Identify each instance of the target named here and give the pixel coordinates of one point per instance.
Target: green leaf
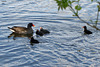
(73, 1)
(91, 0)
(96, 21)
(62, 4)
(78, 0)
(70, 2)
(58, 8)
(98, 6)
(78, 7)
(61, 7)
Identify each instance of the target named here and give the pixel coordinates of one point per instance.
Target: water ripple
(64, 46)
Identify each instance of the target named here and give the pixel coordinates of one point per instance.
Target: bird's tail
(11, 29)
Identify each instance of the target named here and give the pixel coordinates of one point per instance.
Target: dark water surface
(65, 46)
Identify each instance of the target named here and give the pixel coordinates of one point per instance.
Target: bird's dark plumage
(22, 30)
(39, 32)
(33, 40)
(44, 31)
(86, 31)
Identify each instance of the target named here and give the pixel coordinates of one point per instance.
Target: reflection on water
(3, 2)
(14, 35)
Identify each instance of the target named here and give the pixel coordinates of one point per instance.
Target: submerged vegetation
(63, 4)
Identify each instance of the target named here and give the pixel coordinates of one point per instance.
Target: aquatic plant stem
(76, 14)
(97, 14)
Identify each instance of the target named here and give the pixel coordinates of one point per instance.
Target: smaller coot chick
(86, 31)
(39, 32)
(44, 31)
(33, 40)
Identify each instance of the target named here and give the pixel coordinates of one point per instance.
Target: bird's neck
(41, 29)
(85, 29)
(28, 26)
(32, 39)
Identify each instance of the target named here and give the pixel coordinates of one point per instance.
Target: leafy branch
(63, 4)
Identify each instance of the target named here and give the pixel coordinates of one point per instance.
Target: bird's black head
(30, 25)
(84, 27)
(32, 38)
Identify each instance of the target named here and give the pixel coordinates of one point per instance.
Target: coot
(44, 31)
(33, 40)
(39, 32)
(86, 31)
